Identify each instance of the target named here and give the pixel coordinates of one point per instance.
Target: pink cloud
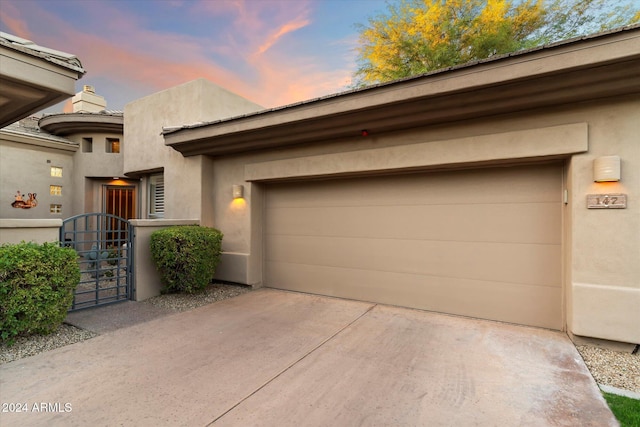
(154, 60)
(300, 82)
(67, 107)
(135, 56)
(12, 18)
(132, 66)
(284, 29)
(259, 23)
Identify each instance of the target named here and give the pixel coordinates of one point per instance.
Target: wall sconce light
(238, 191)
(606, 169)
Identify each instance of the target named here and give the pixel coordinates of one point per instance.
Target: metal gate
(104, 244)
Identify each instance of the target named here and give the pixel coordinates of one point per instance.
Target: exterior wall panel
(29, 171)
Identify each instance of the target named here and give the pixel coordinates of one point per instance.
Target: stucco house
(73, 162)
(32, 77)
(63, 164)
(98, 182)
(505, 189)
(478, 190)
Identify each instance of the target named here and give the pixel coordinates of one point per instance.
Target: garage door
(483, 243)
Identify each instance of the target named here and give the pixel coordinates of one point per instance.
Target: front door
(119, 201)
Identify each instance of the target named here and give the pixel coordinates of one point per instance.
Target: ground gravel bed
(612, 368)
(34, 344)
(608, 367)
(183, 302)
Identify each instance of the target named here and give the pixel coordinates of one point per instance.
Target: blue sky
(273, 52)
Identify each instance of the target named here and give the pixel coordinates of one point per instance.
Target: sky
(272, 52)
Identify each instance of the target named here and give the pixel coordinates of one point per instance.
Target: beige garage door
(483, 243)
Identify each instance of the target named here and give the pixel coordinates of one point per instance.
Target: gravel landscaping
(612, 368)
(608, 367)
(34, 344)
(183, 302)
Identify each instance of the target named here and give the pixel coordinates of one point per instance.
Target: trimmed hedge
(186, 256)
(37, 282)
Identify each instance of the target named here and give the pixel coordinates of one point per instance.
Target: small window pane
(113, 145)
(56, 171)
(55, 190)
(87, 145)
(55, 209)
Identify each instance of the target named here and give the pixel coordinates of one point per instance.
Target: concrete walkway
(273, 358)
(111, 317)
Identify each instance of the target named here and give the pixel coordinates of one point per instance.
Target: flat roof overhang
(68, 123)
(30, 82)
(593, 68)
(10, 136)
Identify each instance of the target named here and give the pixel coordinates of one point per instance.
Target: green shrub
(37, 283)
(186, 256)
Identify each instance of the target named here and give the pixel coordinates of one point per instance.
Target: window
(87, 145)
(56, 171)
(55, 190)
(55, 209)
(113, 145)
(156, 196)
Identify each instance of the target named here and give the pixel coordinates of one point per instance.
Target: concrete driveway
(273, 358)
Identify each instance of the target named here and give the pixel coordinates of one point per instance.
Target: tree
(418, 36)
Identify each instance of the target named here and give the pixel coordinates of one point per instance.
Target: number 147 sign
(606, 201)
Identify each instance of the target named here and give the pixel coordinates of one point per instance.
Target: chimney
(87, 101)
(30, 122)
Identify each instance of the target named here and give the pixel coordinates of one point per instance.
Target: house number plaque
(606, 201)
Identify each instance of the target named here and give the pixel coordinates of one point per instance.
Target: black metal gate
(104, 243)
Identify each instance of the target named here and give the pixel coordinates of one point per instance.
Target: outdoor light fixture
(606, 169)
(238, 191)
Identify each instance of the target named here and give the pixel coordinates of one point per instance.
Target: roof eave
(583, 70)
(31, 81)
(69, 123)
(36, 140)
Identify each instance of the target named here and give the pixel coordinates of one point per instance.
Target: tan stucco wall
(25, 165)
(197, 101)
(27, 168)
(29, 230)
(605, 246)
(92, 170)
(593, 267)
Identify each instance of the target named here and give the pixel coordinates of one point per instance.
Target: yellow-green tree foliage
(418, 36)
